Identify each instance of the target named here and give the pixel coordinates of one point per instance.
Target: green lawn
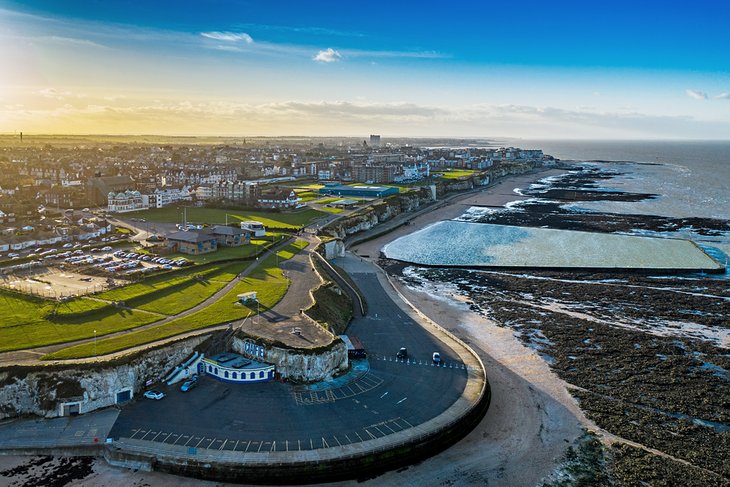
(171, 214)
(173, 294)
(305, 195)
(267, 280)
(457, 173)
(332, 209)
(28, 322)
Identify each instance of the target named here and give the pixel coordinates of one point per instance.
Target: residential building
(127, 201)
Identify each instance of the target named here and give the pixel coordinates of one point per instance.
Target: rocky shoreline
(647, 358)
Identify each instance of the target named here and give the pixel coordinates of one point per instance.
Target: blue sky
(529, 69)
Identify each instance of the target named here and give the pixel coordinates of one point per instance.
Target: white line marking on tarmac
(236, 445)
(402, 400)
(338, 441)
(383, 395)
(324, 443)
(358, 435)
(148, 432)
(211, 443)
(260, 445)
(201, 440)
(186, 443)
(224, 444)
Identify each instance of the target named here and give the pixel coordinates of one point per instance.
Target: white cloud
(328, 55)
(696, 94)
(723, 96)
(228, 36)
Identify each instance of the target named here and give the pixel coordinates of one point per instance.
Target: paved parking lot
(379, 397)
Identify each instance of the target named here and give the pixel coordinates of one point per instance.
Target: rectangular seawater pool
(466, 244)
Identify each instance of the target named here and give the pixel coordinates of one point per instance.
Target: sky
(559, 69)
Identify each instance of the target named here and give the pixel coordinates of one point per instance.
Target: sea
(692, 179)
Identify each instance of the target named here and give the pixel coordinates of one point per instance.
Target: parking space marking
(167, 437)
(211, 442)
(201, 440)
(180, 437)
(135, 433)
(358, 435)
(148, 432)
(391, 429)
(186, 443)
(324, 443)
(402, 400)
(158, 434)
(371, 435)
(224, 444)
(260, 445)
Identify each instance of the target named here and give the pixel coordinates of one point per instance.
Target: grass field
(171, 214)
(28, 322)
(173, 294)
(267, 280)
(456, 174)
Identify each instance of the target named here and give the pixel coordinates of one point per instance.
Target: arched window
(234, 375)
(261, 374)
(225, 374)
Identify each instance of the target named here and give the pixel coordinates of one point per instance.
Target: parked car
(106, 249)
(156, 395)
(437, 358)
(68, 245)
(13, 254)
(402, 353)
(189, 384)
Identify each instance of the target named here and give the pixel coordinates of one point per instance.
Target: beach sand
(532, 418)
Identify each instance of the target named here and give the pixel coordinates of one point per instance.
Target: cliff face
(302, 365)
(408, 202)
(43, 390)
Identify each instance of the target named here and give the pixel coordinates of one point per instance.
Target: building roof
(224, 230)
(192, 236)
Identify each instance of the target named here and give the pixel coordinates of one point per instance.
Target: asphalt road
(378, 397)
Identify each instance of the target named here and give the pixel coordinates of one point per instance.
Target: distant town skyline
(465, 69)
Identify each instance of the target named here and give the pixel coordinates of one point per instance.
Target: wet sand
(532, 418)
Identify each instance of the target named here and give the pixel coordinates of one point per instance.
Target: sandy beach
(532, 418)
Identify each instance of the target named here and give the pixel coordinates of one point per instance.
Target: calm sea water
(691, 178)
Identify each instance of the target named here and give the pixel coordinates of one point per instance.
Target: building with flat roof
(231, 367)
(359, 191)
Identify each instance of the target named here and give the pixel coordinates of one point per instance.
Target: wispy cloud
(696, 94)
(228, 36)
(328, 55)
(392, 54)
(723, 96)
(323, 31)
